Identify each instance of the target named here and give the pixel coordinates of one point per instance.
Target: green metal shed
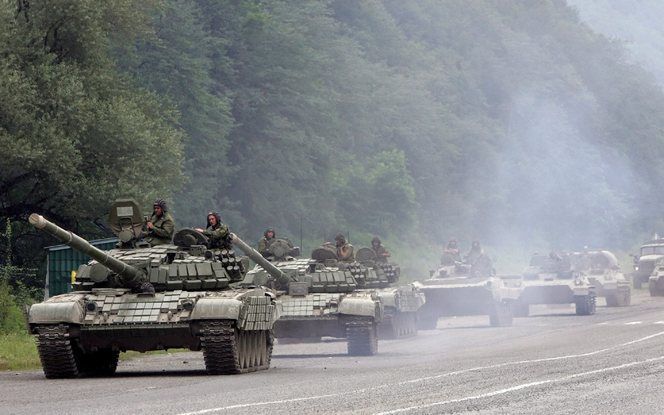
(61, 260)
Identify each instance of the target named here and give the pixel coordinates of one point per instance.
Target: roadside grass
(18, 352)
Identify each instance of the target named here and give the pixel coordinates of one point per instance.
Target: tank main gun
(124, 270)
(275, 272)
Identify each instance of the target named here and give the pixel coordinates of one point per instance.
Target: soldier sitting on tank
(160, 226)
(264, 243)
(475, 252)
(451, 254)
(217, 232)
(344, 249)
(381, 253)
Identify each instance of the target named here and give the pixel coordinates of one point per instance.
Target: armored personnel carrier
(400, 302)
(322, 296)
(462, 289)
(603, 271)
(644, 263)
(550, 279)
(201, 301)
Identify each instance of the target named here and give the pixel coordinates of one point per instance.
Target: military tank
(321, 296)
(201, 301)
(400, 302)
(603, 271)
(550, 279)
(461, 289)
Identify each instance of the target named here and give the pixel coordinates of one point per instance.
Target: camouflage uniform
(163, 227)
(265, 242)
(218, 234)
(344, 249)
(379, 250)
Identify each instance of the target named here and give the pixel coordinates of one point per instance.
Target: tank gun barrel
(257, 257)
(84, 246)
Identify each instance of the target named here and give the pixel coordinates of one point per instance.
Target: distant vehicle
(656, 280)
(603, 271)
(461, 289)
(550, 279)
(644, 263)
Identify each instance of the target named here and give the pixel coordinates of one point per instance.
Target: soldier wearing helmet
(381, 253)
(344, 249)
(217, 232)
(264, 243)
(161, 225)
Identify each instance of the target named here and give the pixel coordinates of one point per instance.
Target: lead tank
(461, 289)
(550, 279)
(321, 297)
(400, 302)
(203, 301)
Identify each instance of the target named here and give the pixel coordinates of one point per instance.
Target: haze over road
(611, 362)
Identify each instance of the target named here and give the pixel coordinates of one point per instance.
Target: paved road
(553, 362)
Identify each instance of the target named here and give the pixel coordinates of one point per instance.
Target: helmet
(340, 238)
(268, 230)
(161, 203)
(375, 241)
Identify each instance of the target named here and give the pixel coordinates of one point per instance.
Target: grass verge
(18, 352)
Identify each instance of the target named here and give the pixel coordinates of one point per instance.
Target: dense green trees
(491, 120)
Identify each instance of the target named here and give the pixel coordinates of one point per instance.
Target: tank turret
(125, 271)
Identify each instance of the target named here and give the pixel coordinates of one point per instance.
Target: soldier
(264, 243)
(216, 231)
(381, 253)
(451, 253)
(161, 225)
(475, 252)
(344, 249)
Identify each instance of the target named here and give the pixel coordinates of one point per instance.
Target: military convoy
(467, 289)
(202, 300)
(550, 279)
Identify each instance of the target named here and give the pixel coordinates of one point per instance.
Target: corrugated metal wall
(62, 260)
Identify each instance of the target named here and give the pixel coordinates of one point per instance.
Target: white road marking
(632, 323)
(423, 379)
(604, 323)
(658, 322)
(522, 386)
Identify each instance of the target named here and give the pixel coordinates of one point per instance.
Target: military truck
(322, 297)
(603, 271)
(550, 279)
(656, 280)
(644, 263)
(462, 289)
(201, 301)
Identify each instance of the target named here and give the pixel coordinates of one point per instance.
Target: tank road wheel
(361, 336)
(501, 315)
(227, 350)
(102, 362)
(56, 352)
(585, 304)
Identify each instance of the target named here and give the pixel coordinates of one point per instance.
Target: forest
(510, 122)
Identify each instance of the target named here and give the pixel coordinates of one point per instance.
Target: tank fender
(56, 312)
(216, 308)
(357, 306)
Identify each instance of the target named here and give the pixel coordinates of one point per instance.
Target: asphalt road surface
(551, 362)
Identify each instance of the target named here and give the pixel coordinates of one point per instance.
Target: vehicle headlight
(636, 268)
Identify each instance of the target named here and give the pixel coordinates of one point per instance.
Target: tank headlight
(91, 306)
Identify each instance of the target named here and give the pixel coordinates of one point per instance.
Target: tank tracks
(585, 305)
(61, 358)
(398, 325)
(56, 352)
(227, 350)
(623, 297)
(361, 335)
